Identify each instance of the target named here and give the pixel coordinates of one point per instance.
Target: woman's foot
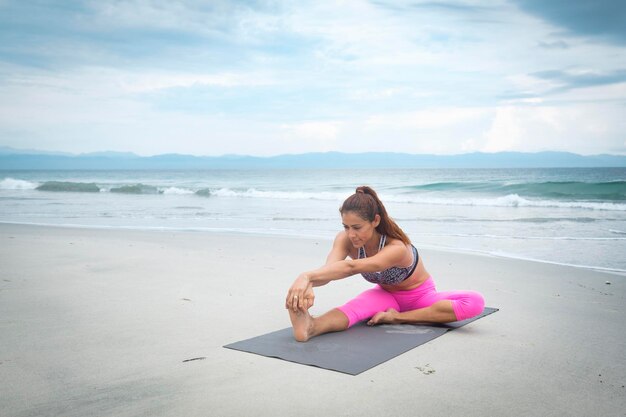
(302, 324)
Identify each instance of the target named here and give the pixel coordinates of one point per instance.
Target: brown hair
(367, 205)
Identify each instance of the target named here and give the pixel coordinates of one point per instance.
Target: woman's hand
(381, 317)
(300, 296)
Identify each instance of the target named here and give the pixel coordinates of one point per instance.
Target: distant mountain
(19, 159)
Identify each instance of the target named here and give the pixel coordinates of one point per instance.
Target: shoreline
(239, 232)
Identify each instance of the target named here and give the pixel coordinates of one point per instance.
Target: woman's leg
(368, 303)
(425, 304)
(364, 306)
(306, 326)
(438, 312)
(465, 304)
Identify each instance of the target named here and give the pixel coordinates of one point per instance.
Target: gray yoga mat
(353, 351)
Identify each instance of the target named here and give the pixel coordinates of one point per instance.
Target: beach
(97, 322)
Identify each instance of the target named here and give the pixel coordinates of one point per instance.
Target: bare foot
(302, 324)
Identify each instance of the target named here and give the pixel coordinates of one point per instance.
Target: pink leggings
(466, 304)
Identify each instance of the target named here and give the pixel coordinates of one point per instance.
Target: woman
(379, 250)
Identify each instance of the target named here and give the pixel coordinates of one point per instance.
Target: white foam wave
(618, 232)
(288, 195)
(13, 184)
(176, 190)
(511, 200)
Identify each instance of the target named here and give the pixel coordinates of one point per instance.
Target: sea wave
(615, 193)
(68, 186)
(510, 200)
(286, 195)
(136, 189)
(607, 190)
(15, 184)
(176, 190)
(204, 192)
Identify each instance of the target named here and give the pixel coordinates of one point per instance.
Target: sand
(103, 323)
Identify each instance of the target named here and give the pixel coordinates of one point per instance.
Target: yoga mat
(353, 351)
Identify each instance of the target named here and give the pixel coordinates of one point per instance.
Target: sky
(275, 77)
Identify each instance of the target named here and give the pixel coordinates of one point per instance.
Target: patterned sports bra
(393, 275)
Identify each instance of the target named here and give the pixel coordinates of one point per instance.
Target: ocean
(571, 216)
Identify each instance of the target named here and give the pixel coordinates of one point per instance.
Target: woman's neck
(372, 245)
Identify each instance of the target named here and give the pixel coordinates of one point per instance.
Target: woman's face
(358, 229)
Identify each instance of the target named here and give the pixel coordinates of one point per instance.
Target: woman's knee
(472, 305)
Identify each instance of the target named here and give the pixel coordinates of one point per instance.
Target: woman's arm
(389, 256)
(301, 294)
(338, 252)
(338, 267)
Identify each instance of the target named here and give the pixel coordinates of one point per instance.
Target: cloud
(133, 33)
(568, 80)
(588, 128)
(441, 130)
(600, 19)
(458, 7)
(267, 77)
(566, 86)
(424, 119)
(312, 129)
(151, 82)
(553, 45)
(315, 136)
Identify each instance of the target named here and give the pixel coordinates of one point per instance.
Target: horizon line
(102, 153)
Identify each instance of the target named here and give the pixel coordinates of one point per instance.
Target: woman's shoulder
(342, 239)
(342, 243)
(395, 242)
